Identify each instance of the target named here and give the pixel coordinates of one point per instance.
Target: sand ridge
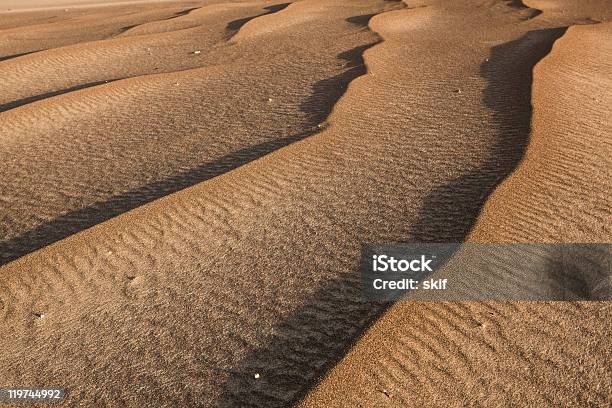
(18, 6)
(271, 114)
(248, 267)
(566, 152)
(429, 353)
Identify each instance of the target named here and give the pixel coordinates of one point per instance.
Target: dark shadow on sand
(580, 271)
(25, 101)
(8, 57)
(452, 209)
(233, 26)
(318, 106)
(317, 335)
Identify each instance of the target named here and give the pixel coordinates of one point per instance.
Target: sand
(519, 353)
(20, 6)
(186, 187)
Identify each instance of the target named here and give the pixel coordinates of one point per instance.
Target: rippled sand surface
(186, 186)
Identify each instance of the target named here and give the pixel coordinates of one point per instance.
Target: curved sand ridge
(525, 353)
(137, 139)
(573, 12)
(131, 54)
(253, 271)
(37, 5)
(26, 32)
(560, 193)
(72, 280)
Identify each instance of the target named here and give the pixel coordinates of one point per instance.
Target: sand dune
(500, 354)
(150, 52)
(552, 196)
(36, 5)
(209, 208)
(37, 30)
(123, 162)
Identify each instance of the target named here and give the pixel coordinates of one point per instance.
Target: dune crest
(196, 229)
(553, 196)
(428, 353)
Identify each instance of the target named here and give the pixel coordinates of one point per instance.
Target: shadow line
(233, 26)
(8, 57)
(318, 106)
(454, 207)
(20, 102)
(313, 339)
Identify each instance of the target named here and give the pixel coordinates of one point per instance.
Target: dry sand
(210, 170)
(53, 5)
(519, 353)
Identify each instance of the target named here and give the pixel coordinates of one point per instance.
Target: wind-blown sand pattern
(186, 187)
(500, 354)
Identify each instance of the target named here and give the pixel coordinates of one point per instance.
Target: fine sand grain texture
(146, 132)
(186, 187)
(561, 190)
(66, 5)
(521, 353)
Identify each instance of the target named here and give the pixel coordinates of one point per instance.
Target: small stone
(257, 376)
(197, 52)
